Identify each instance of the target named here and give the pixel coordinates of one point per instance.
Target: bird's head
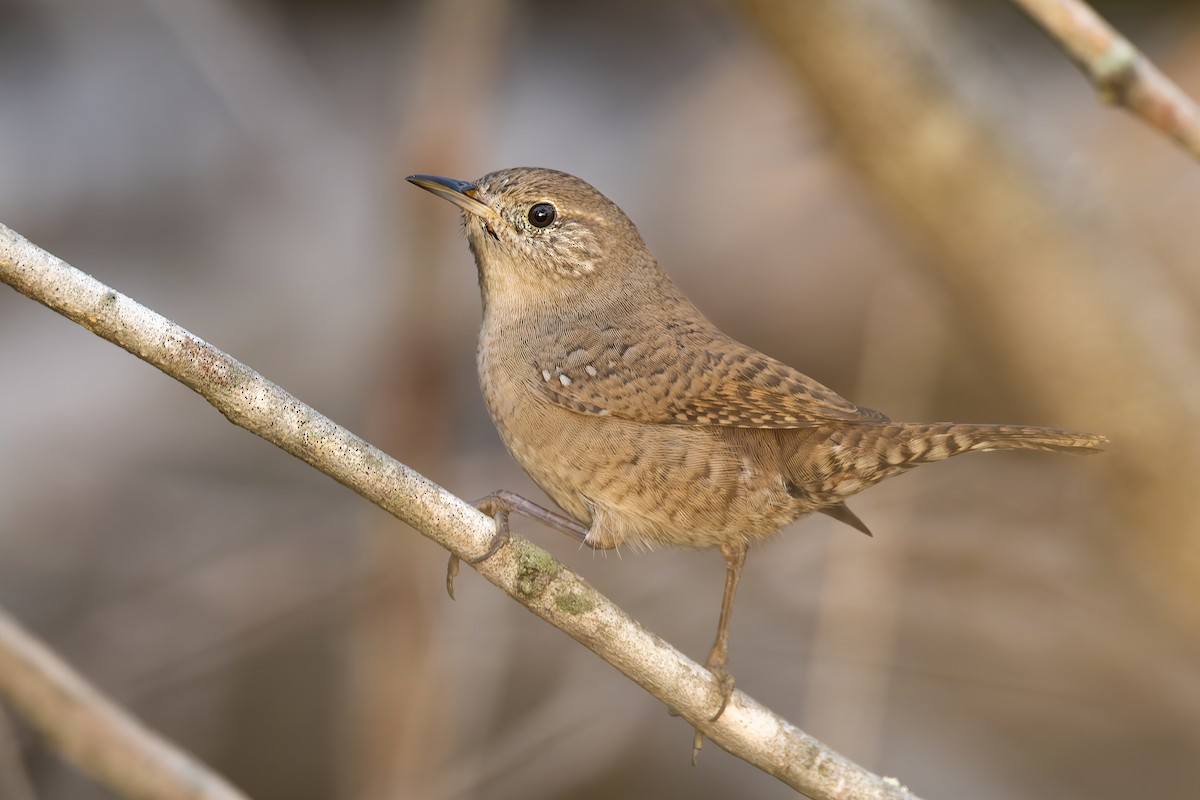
(546, 238)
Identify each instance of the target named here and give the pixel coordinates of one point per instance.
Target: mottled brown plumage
(641, 419)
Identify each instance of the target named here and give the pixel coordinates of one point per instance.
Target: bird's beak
(463, 194)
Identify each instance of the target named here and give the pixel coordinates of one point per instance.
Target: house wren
(642, 420)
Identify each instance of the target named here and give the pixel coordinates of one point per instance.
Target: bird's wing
(687, 374)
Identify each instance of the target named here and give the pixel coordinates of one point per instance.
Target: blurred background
(920, 204)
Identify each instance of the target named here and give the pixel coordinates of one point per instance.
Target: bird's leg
(718, 657)
(498, 505)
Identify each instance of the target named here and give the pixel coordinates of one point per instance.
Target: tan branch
(1079, 322)
(522, 570)
(1122, 75)
(15, 783)
(92, 732)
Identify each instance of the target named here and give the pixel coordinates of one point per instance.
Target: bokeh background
(920, 204)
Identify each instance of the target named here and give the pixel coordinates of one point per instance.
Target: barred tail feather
(921, 443)
(853, 457)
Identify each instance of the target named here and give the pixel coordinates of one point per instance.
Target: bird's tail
(910, 444)
(857, 456)
(851, 458)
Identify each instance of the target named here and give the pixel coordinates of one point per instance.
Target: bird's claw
(451, 573)
(725, 684)
(498, 512)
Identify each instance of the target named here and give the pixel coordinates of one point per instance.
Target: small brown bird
(645, 423)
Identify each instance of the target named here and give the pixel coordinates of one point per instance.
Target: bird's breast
(549, 444)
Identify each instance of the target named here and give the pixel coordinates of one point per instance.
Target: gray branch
(522, 570)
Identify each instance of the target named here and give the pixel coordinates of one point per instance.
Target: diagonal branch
(522, 570)
(15, 783)
(1122, 75)
(92, 731)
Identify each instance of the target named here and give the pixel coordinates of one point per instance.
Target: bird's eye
(541, 215)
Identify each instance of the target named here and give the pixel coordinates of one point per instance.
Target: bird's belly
(639, 483)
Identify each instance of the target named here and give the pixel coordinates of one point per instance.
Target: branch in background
(92, 732)
(1084, 326)
(525, 572)
(399, 689)
(15, 783)
(1122, 75)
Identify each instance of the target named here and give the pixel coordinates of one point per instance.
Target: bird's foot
(499, 505)
(717, 665)
(494, 506)
(726, 684)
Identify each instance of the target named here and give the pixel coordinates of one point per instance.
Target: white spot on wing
(564, 380)
(545, 374)
(590, 370)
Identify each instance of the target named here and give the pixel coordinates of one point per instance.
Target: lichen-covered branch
(521, 569)
(1122, 75)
